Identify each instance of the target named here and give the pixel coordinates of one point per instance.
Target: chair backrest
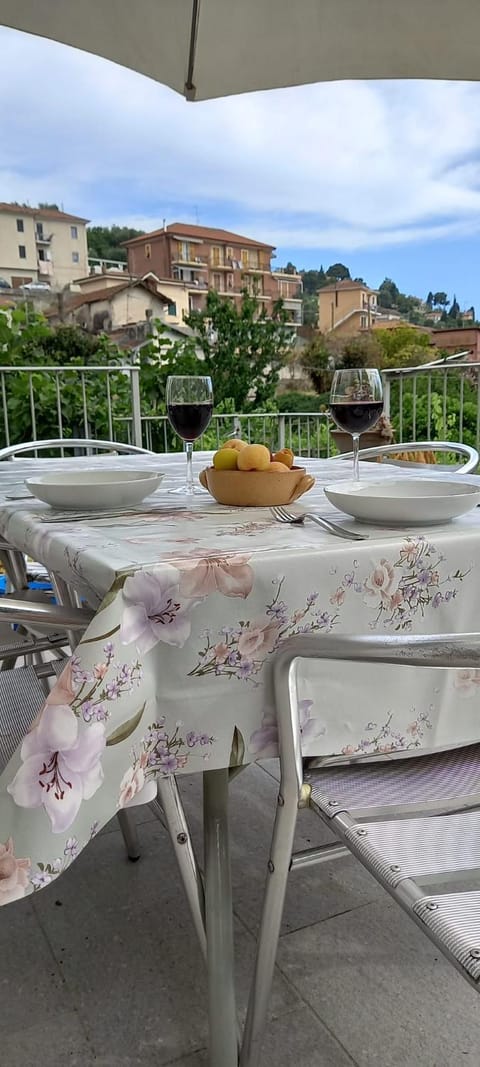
(470, 455)
(61, 443)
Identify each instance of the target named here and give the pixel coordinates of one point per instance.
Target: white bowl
(94, 489)
(405, 501)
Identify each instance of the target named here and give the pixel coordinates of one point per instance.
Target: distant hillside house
(110, 308)
(41, 245)
(347, 307)
(459, 339)
(174, 294)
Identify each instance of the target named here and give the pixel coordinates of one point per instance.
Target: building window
(22, 251)
(172, 309)
(363, 322)
(216, 255)
(148, 251)
(185, 251)
(75, 257)
(41, 254)
(20, 226)
(74, 233)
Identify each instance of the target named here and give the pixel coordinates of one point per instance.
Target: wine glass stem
(189, 453)
(356, 471)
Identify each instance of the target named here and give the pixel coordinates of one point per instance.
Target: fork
(282, 515)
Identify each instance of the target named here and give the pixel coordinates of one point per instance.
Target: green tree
(105, 242)
(403, 347)
(243, 349)
(440, 299)
(310, 309)
(388, 293)
(429, 300)
(454, 309)
(338, 272)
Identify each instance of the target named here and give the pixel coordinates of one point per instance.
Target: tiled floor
(102, 968)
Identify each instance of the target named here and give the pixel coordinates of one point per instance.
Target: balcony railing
(435, 402)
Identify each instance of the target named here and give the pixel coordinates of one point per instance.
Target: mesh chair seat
(441, 781)
(21, 697)
(453, 920)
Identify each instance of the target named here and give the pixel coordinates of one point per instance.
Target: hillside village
(61, 265)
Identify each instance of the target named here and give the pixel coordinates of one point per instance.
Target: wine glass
(356, 403)
(189, 409)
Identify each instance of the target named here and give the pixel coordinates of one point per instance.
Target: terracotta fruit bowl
(256, 489)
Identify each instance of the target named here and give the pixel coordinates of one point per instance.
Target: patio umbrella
(211, 48)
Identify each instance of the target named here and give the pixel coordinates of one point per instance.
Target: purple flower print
(264, 742)
(154, 610)
(41, 879)
(71, 848)
(61, 766)
(168, 764)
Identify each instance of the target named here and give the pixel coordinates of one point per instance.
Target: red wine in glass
(189, 402)
(189, 420)
(356, 418)
(356, 403)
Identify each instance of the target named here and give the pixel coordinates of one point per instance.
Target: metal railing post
(386, 395)
(281, 432)
(136, 406)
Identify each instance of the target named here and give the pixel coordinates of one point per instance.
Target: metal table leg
(219, 922)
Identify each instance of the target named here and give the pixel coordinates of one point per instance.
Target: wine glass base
(188, 491)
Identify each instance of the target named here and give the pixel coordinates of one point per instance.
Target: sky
(381, 176)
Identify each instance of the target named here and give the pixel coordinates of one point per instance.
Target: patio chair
(411, 821)
(469, 457)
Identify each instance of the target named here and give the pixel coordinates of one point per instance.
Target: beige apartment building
(41, 245)
(204, 257)
(346, 308)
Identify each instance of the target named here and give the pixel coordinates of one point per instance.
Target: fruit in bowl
(249, 476)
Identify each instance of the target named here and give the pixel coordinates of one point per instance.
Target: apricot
(225, 459)
(276, 466)
(253, 458)
(234, 442)
(285, 456)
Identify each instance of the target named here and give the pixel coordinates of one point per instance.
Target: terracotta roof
(348, 284)
(203, 233)
(106, 293)
(42, 213)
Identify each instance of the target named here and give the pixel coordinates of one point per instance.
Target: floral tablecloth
(172, 674)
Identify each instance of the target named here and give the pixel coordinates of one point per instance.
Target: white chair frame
(471, 456)
(295, 792)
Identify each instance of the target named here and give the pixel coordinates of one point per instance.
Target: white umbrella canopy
(212, 48)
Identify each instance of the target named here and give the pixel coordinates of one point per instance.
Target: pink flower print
(100, 670)
(396, 599)
(258, 638)
(229, 575)
(221, 652)
(338, 596)
(348, 750)
(467, 681)
(132, 783)
(408, 552)
(381, 581)
(63, 691)
(13, 874)
(61, 766)
(154, 610)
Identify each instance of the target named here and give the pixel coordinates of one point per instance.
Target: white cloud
(345, 166)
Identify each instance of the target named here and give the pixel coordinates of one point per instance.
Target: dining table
(191, 600)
